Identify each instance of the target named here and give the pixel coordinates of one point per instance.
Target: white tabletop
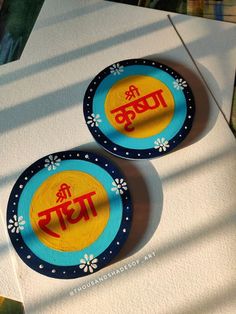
(212, 44)
(188, 199)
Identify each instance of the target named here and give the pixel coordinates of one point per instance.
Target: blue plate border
(75, 271)
(129, 153)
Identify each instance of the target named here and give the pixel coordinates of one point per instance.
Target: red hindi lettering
(63, 193)
(64, 212)
(124, 116)
(43, 222)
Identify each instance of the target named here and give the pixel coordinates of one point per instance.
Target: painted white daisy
(16, 224)
(179, 84)
(88, 263)
(52, 162)
(116, 69)
(119, 186)
(94, 120)
(161, 144)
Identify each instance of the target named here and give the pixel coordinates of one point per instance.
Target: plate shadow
(147, 198)
(205, 112)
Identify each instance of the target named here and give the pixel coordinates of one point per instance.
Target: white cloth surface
(212, 44)
(41, 98)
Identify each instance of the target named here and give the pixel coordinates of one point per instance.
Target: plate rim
(69, 272)
(130, 153)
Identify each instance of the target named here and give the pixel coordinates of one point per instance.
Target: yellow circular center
(139, 106)
(69, 211)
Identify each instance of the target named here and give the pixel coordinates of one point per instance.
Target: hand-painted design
(52, 162)
(161, 144)
(121, 144)
(88, 263)
(116, 69)
(16, 224)
(119, 186)
(45, 260)
(179, 84)
(94, 120)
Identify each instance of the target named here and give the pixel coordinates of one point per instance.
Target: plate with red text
(69, 214)
(139, 108)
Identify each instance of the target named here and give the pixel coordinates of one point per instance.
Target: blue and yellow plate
(69, 214)
(139, 108)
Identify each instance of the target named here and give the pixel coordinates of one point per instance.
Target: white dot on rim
(41, 266)
(28, 256)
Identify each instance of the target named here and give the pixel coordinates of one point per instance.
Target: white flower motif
(88, 263)
(16, 224)
(52, 162)
(94, 120)
(116, 69)
(179, 84)
(119, 186)
(161, 144)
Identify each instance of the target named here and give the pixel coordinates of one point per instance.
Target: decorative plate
(139, 108)
(69, 214)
